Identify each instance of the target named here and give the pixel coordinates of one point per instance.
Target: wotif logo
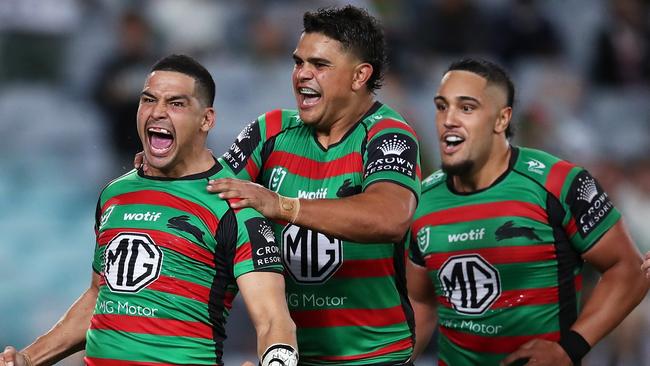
(320, 193)
(536, 166)
(475, 234)
(149, 216)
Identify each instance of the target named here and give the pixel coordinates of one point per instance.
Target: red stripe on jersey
(498, 255)
(492, 344)
(94, 361)
(519, 297)
(243, 253)
(441, 363)
(252, 169)
(395, 347)
(176, 286)
(348, 317)
(154, 326)
(313, 169)
(228, 299)
(366, 268)
(165, 240)
(389, 123)
(273, 123)
(151, 197)
(571, 228)
(557, 176)
(482, 211)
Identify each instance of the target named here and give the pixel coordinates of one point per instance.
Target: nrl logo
(277, 177)
(536, 166)
(393, 146)
(104, 219)
(423, 239)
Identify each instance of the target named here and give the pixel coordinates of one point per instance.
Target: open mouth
(160, 140)
(451, 141)
(310, 96)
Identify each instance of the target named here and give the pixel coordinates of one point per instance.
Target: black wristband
(575, 346)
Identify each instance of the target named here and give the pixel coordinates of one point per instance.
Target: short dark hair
(192, 68)
(494, 74)
(358, 32)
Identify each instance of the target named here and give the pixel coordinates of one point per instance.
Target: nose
(448, 119)
(159, 110)
(304, 72)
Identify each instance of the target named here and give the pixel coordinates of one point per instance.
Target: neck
(348, 117)
(484, 175)
(199, 162)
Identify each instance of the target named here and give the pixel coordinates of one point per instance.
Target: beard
(458, 169)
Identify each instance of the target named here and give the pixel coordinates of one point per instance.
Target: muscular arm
(69, 334)
(620, 288)
(423, 299)
(263, 293)
(382, 213)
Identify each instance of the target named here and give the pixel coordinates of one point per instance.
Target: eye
(441, 107)
(177, 104)
(146, 99)
(467, 108)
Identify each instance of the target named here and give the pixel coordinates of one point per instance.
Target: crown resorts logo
(267, 233)
(245, 133)
(393, 146)
(587, 190)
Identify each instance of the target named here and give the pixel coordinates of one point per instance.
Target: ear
(503, 120)
(208, 119)
(362, 74)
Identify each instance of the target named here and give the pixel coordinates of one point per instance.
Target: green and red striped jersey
(505, 260)
(168, 253)
(347, 299)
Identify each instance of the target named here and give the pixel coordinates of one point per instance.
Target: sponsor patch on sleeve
(588, 203)
(395, 152)
(243, 146)
(264, 248)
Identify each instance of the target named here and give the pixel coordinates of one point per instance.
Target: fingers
(223, 184)
(138, 160)
(9, 356)
(523, 352)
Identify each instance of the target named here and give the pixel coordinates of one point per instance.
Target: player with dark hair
(500, 236)
(170, 257)
(339, 179)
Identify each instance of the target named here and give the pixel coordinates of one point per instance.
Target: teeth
(308, 91)
(159, 130)
(454, 139)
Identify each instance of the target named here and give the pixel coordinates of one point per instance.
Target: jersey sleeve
(97, 256)
(589, 210)
(392, 155)
(256, 247)
(244, 157)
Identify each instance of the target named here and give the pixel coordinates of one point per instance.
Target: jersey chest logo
(309, 256)
(131, 262)
(469, 283)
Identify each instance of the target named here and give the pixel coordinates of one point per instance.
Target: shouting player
(501, 233)
(339, 178)
(170, 256)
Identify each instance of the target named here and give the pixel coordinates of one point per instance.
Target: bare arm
(382, 213)
(263, 293)
(620, 288)
(423, 299)
(66, 337)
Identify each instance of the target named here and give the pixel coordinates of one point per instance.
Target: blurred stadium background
(71, 72)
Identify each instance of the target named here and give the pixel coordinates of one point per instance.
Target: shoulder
(384, 119)
(273, 122)
(117, 184)
(436, 179)
(545, 169)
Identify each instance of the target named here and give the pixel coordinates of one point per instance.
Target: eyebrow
(462, 98)
(170, 99)
(312, 60)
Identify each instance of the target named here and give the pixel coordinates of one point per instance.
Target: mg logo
(132, 262)
(470, 283)
(309, 256)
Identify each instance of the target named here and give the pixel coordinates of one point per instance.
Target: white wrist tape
(279, 354)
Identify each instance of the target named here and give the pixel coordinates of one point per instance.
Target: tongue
(161, 142)
(309, 100)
